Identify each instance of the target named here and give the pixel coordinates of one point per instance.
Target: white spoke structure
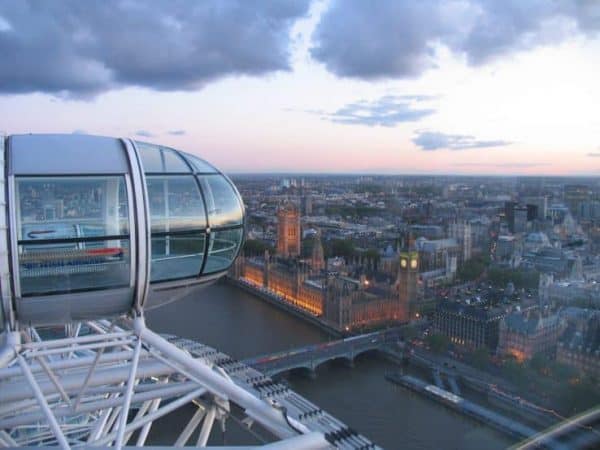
(108, 385)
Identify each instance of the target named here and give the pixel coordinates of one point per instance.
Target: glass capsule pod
(95, 227)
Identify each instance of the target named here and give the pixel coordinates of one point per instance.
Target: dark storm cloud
(397, 38)
(81, 48)
(432, 140)
(176, 132)
(388, 111)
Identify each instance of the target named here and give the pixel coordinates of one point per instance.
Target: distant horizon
(368, 174)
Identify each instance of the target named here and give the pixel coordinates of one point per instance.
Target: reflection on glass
(176, 256)
(69, 207)
(64, 267)
(157, 159)
(224, 207)
(56, 218)
(175, 203)
(222, 249)
(199, 165)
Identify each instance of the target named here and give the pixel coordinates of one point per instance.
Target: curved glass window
(199, 165)
(222, 202)
(156, 159)
(223, 248)
(178, 224)
(182, 208)
(73, 234)
(177, 256)
(175, 203)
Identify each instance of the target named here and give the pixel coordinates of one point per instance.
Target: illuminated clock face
(403, 263)
(413, 263)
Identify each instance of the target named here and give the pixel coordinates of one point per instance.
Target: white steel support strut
(190, 427)
(128, 394)
(43, 404)
(102, 384)
(146, 427)
(256, 408)
(207, 425)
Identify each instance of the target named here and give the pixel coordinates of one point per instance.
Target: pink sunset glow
(528, 107)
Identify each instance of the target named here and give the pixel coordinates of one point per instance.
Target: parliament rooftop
(93, 232)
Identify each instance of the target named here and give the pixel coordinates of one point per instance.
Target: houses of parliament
(346, 300)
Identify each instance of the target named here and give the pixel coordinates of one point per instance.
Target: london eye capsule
(95, 227)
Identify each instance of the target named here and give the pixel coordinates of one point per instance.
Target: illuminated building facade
(523, 335)
(288, 230)
(288, 279)
(352, 303)
(345, 303)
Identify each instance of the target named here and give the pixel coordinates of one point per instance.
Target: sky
(386, 86)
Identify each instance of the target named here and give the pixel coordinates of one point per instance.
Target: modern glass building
(95, 227)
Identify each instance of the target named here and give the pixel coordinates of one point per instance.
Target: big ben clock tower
(408, 272)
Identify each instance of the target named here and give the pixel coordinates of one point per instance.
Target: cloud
(594, 155)
(433, 140)
(176, 132)
(4, 25)
(503, 165)
(79, 48)
(399, 38)
(387, 111)
(144, 133)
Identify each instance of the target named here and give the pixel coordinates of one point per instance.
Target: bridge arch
(366, 351)
(347, 359)
(312, 365)
(304, 371)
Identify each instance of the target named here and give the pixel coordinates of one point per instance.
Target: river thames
(242, 325)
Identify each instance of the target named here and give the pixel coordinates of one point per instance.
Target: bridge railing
(332, 349)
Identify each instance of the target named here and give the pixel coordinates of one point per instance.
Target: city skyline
(318, 87)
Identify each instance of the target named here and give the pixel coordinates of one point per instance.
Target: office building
(574, 196)
(472, 326)
(460, 230)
